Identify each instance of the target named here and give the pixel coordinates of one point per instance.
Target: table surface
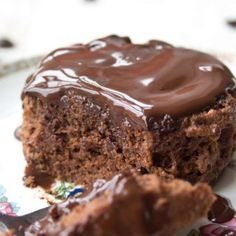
(39, 26)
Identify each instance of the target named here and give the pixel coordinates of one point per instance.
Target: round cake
(93, 110)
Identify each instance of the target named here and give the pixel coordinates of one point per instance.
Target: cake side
(78, 141)
(201, 147)
(150, 206)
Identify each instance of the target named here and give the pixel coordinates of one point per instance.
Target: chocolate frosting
(221, 211)
(145, 81)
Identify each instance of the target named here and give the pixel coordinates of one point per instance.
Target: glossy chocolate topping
(222, 214)
(221, 211)
(145, 81)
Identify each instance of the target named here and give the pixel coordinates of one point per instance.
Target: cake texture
(93, 110)
(129, 205)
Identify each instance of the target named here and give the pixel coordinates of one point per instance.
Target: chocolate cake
(128, 205)
(93, 110)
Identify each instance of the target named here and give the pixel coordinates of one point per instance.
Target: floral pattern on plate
(61, 190)
(6, 207)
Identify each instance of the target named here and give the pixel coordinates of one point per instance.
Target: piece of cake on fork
(128, 205)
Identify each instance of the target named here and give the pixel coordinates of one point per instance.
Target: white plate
(15, 198)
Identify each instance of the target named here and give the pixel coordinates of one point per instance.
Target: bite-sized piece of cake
(93, 110)
(129, 205)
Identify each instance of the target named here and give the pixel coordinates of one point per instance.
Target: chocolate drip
(228, 232)
(221, 211)
(145, 81)
(17, 133)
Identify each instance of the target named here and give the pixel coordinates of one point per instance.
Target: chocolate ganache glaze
(146, 81)
(221, 211)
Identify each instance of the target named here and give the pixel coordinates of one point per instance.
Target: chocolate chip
(6, 43)
(232, 23)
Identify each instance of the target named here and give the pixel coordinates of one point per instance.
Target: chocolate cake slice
(93, 110)
(128, 205)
